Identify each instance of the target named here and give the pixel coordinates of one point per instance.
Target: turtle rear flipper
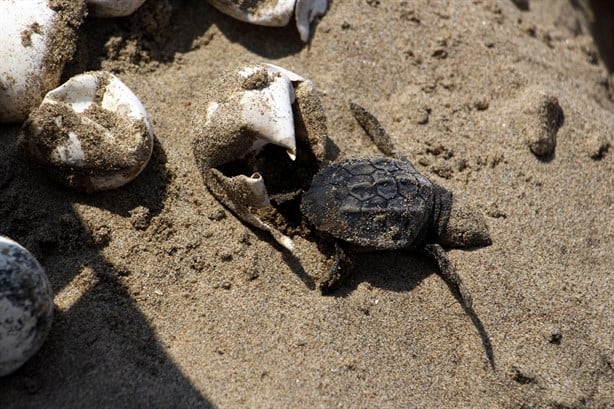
(448, 272)
(375, 130)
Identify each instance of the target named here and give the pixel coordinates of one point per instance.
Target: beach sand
(165, 299)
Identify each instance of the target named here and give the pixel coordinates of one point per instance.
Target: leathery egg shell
(38, 37)
(26, 305)
(91, 133)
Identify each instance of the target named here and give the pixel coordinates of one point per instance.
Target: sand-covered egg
(26, 305)
(274, 13)
(91, 133)
(38, 37)
(112, 8)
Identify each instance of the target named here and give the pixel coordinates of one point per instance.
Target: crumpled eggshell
(38, 37)
(274, 13)
(91, 133)
(112, 8)
(263, 105)
(26, 305)
(256, 106)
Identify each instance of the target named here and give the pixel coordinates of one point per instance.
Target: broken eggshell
(112, 8)
(91, 133)
(26, 305)
(38, 37)
(258, 106)
(263, 105)
(276, 13)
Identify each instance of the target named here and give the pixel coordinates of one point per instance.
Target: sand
(165, 299)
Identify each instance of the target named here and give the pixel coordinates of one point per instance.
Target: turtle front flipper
(448, 273)
(341, 268)
(375, 130)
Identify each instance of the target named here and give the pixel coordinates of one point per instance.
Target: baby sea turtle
(263, 151)
(386, 204)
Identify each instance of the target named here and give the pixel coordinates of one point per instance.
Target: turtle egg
(38, 37)
(91, 133)
(26, 305)
(275, 13)
(112, 8)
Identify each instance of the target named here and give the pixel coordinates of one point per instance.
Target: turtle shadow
(101, 347)
(545, 159)
(401, 271)
(395, 271)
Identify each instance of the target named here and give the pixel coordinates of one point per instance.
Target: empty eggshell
(38, 37)
(259, 105)
(91, 133)
(112, 8)
(26, 305)
(274, 13)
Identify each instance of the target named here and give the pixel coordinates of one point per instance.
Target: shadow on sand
(101, 351)
(399, 271)
(161, 29)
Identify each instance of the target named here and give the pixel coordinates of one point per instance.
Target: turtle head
(465, 227)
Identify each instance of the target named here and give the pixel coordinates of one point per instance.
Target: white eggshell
(272, 13)
(292, 76)
(26, 305)
(92, 133)
(36, 43)
(306, 12)
(112, 8)
(266, 109)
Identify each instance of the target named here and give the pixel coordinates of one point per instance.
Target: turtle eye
(362, 191)
(386, 188)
